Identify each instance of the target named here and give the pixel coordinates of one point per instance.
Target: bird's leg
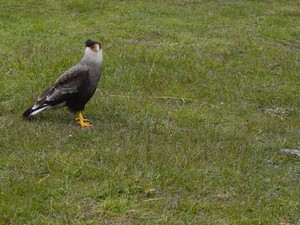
(82, 121)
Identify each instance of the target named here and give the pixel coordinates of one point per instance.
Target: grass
(195, 101)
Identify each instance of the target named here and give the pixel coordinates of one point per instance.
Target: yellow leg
(82, 121)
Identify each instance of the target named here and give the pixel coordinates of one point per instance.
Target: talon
(83, 124)
(82, 121)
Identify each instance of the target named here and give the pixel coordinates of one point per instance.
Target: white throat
(92, 56)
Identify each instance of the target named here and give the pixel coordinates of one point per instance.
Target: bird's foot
(84, 124)
(82, 121)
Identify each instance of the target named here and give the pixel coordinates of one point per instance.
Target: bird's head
(93, 45)
(93, 52)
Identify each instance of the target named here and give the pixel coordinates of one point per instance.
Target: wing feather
(67, 84)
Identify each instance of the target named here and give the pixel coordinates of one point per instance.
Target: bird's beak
(96, 47)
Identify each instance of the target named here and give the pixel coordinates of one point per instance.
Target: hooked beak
(96, 47)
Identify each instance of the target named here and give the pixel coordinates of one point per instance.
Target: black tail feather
(27, 113)
(33, 110)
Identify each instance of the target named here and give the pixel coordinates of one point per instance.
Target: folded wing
(65, 89)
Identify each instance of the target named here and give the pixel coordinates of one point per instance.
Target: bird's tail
(39, 106)
(33, 110)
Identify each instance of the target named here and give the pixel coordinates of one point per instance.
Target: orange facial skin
(95, 47)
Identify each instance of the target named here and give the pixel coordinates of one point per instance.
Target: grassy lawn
(195, 100)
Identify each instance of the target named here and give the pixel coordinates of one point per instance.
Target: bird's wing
(65, 87)
(67, 84)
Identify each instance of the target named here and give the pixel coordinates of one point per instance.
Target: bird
(74, 88)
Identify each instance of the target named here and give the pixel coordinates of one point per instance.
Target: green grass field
(195, 101)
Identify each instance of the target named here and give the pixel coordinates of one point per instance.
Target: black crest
(90, 43)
